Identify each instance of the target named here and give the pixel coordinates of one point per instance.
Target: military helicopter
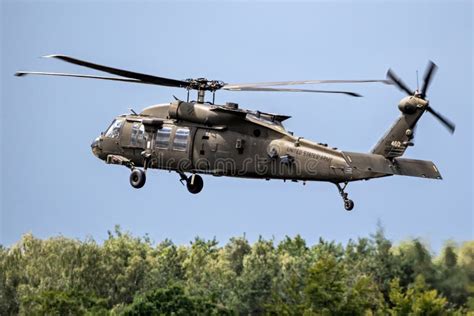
(201, 137)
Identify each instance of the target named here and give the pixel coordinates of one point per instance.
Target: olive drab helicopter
(201, 137)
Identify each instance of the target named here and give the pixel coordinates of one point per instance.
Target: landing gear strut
(348, 204)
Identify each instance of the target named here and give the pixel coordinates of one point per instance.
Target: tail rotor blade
(447, 123)
(398, 82)
(430, 71)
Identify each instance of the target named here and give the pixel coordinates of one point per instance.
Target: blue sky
(52, 184)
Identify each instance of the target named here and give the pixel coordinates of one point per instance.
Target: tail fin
(394, 143)
(400, 135)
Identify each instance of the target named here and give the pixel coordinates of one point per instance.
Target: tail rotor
(427, 78)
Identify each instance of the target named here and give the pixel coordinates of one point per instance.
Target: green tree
(466, 263)
(171, 301)
(363, 297)
(255, 284)
(51, 302)
(325, 285)
(166, 265)
(124, 266)
(384, 265)
(128, 274)
(288, 286)
(416, 300)
(210, 273)
(453, 281)
(415, 259)
(235, 252)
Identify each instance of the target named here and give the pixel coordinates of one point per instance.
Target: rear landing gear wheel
(137, 178)
(194, 183)
(348, 205)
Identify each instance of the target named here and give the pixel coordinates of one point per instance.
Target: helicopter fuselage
(221, 141)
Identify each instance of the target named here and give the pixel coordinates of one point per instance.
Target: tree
(415, 260)
(171, 301)
(166, 265)
(51, 302)
(453, 281)
(416, 300)
(288, 286)
(209, 273)
(325, 285)
(466, 263)
(235, 252)
(124, 266)
(129, 274)
(363, 297)
(255, 284)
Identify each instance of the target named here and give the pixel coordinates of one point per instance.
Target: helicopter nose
(96, 150)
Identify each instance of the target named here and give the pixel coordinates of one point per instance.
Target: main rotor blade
(124, 73)
(299, 82)
(430, 71)
(447, 123)
(60, 74)
(287, 90)
(398, 82)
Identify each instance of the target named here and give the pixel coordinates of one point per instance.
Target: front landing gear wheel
(194, 183)
(137, 178)
(348, 205)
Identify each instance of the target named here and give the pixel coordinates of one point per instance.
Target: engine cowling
(198, 113)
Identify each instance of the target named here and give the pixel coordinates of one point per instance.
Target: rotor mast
(202, 85)
(201, 94)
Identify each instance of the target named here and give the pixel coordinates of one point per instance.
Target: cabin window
(163, 137)
(137, 136)
(114, 129)
(181, 139)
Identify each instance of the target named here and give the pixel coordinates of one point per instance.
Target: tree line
(128, 275)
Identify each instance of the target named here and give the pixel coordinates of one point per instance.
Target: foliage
(62, 303)
(416, 300)
(126, 275)
(171, 300)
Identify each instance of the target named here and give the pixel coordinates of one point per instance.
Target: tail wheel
(137, 178)
(348, 205)
(194, 185)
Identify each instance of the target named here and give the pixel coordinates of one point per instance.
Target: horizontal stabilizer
(365, 165)
(416, 168)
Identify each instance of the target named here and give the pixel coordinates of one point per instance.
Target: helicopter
(201, 137)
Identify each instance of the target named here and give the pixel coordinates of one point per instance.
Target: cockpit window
(181, 139)
(163, 137)
(114, 129)
(137, 137)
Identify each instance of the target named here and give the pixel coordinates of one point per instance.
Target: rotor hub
(204, 84)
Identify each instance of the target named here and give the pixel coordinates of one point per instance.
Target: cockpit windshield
(114, 130)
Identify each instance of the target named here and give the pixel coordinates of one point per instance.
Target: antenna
(417, 84)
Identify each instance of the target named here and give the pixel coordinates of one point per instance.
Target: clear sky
(52, 184)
